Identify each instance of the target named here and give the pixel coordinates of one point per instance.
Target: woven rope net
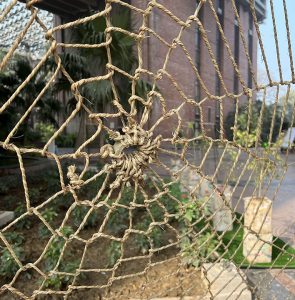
(147, 214)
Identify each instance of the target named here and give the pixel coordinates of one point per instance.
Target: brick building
(184, 71)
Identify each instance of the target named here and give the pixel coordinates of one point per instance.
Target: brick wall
(178, 66)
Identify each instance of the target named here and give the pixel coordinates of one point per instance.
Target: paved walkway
(284, 205)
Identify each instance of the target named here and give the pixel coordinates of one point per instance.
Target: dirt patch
(140, 276)
(166, 278)
(122, 255)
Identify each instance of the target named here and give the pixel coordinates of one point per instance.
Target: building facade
(191, 62)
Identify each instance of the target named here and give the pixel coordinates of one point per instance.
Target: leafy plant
(58, 281)
(80, 212)
(24, 223)
(170, 204)
(46, 108)
(156, 236)
(114, 253)
(118, 220)
(54, 250)
(269, 164)
(14, 238)
(8, 265)
(246, 139)
(242, 121)
(49, 215)
(196, 243)
(198, 247)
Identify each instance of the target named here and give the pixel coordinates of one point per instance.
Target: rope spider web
(164, 194)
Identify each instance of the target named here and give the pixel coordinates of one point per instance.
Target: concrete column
(258, 230)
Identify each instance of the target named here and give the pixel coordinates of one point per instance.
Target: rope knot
(131, 153)
(75, 181)
(248, 92)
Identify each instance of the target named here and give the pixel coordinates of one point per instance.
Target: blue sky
(269, 43)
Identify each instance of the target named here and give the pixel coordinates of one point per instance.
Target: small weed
(118, 220)
(167, 199)
(114, 252)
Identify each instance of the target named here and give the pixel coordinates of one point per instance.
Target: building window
(219, 44)
(250, 48)
(219, 59)
(198, 40)
(237, 49)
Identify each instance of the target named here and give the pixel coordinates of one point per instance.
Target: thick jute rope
(136, 153)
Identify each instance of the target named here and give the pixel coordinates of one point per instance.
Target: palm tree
(44, 111)
(86, 62)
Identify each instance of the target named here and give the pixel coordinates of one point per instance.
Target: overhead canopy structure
(68, 9)
(14, 23)
(74, 8)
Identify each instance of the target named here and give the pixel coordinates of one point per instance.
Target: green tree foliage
(46, 108)
(88, 62)
(242, 122)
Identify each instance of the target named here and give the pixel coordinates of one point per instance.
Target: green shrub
(118, 220)
(24, 223)
(170, 204)
(196, 243)
(242, 121)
